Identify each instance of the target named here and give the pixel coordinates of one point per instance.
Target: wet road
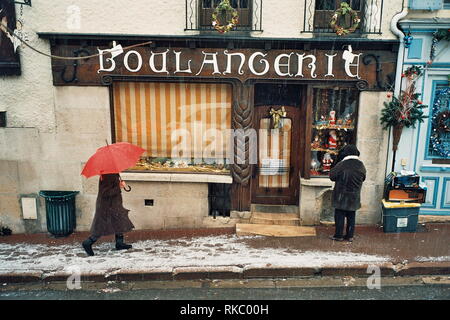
(423, 292)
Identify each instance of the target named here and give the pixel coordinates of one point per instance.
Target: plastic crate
(400, 217)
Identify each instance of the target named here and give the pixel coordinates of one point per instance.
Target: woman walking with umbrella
(110, 215)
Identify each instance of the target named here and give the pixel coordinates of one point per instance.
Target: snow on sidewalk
(165, 255)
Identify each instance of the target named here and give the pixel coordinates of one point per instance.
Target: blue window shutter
(415, 50)
(425, 4)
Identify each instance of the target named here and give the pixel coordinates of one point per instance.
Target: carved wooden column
(241, 168)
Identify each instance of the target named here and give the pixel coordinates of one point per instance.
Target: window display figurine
(332, 140)
(315, 164)
(316, 143)
(332, 120)
(348, 119)
(322, 121)
(327, 161)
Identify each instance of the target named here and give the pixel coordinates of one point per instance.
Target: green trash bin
(60, 209)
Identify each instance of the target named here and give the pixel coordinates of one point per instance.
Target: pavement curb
(236, 272)
(276, 272)
(198, 273)
(21, 277)
(386, 269)
(424, 268)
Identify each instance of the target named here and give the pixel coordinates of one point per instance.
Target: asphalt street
(412, 292)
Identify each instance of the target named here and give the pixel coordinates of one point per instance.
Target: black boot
(120, 245)
(87, 245)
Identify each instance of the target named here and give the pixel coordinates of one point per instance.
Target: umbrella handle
(127, 190)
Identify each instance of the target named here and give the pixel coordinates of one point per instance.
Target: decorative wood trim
(242, 119)
(241, 170)
(308, 131)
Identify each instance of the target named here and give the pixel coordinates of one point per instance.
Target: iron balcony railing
(318, 13)
(199, 12)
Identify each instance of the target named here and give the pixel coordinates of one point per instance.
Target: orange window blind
(174, 120)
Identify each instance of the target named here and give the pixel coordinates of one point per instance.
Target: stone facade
(51, 131)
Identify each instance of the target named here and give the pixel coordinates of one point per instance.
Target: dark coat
(348, 176)
(110, 215)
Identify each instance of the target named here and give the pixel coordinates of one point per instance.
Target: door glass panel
(274, 154)
(439, 137)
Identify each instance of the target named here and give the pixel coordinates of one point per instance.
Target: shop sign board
(220, 63)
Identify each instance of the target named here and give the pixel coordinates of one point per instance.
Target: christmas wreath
(225, 7)
(412, 72)
(341, 12)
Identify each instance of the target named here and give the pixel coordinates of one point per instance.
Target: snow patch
(166, 255)
(433, 259)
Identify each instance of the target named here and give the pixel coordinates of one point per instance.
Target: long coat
(110, 215)
(348, 176)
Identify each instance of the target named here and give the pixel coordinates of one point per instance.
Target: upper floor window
(326, 8)
(318, 15)
(243, 8)
(199, 14)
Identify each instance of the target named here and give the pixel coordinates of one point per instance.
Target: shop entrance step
(274, 208)
(243, 229)
(287, 219)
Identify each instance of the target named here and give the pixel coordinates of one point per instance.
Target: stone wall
(175, 205)
(372, 142)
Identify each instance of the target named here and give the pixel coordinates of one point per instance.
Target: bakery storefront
(229, 124)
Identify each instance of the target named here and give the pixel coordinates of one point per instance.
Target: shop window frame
(115, 79)
(310, 123)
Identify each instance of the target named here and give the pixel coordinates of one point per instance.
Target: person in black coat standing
(348, 175)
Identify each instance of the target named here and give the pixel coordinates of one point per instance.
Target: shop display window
(334, 126)
(184, 127)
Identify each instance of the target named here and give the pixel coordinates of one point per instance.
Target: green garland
(392, 113)
(441, 34)
(225, 7)
(343, 11)
(405, 110)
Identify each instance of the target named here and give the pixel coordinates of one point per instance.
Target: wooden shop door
(275, 178)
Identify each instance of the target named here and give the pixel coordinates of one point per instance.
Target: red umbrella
(113, 158)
